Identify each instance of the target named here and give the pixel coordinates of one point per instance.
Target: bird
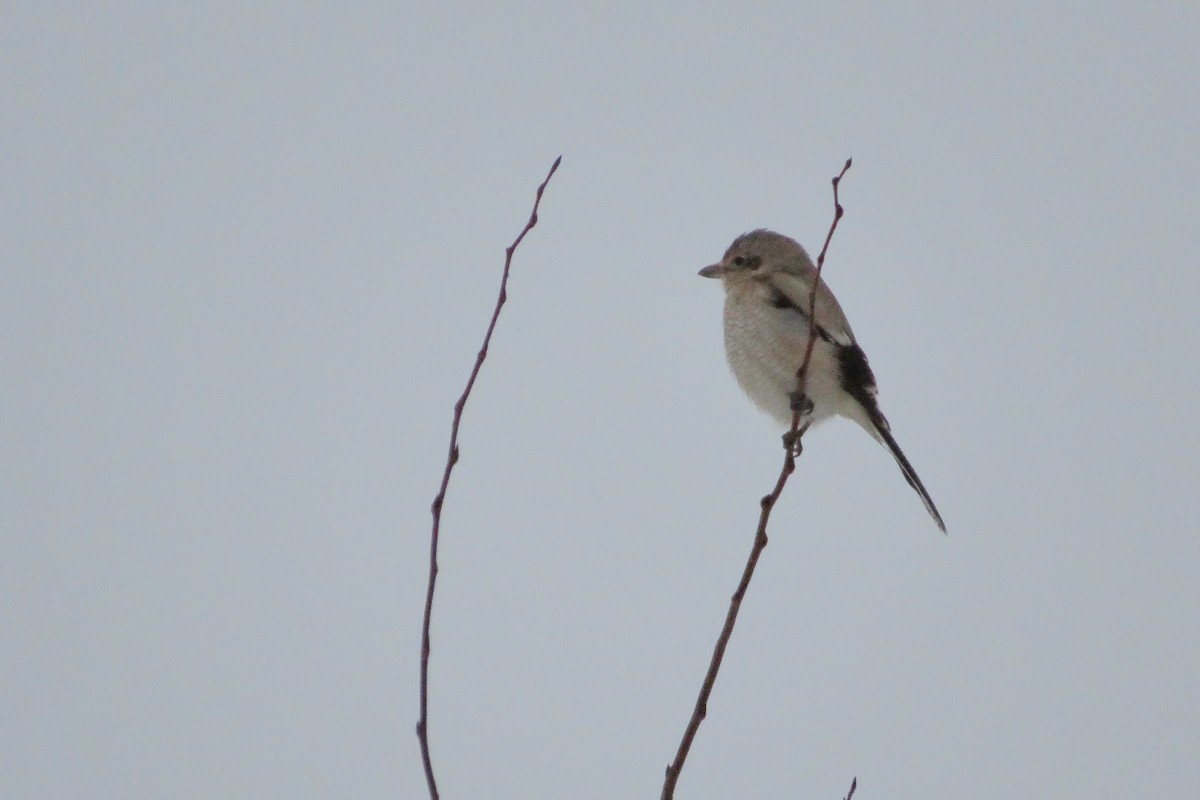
(768, 279)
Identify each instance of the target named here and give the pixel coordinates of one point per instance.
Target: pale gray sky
(249, 253)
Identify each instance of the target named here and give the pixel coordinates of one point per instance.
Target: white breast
(765, 346)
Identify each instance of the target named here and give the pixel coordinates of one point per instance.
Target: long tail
(884, 434)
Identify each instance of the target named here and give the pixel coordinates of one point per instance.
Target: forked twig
(760, 535)
(451, 460)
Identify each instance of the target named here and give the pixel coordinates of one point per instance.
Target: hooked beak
(713, 271)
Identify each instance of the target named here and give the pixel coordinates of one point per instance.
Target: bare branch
(451, 460)
(802, 374)
(853, 786)
(760, 535)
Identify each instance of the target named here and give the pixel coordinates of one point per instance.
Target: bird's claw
(801, 403)
(803, 406)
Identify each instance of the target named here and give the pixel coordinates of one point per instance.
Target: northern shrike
(768, 278)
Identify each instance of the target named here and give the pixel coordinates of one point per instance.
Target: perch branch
(760, 535)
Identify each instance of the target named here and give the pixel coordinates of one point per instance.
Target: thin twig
(451, 460)
(760, 535)
(802, 375)
(853, 786)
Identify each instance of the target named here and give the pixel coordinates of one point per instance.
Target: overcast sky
(248, 253)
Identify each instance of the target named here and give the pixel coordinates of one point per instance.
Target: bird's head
(758, 254)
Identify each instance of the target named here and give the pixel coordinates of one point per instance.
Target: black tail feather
(910, 474)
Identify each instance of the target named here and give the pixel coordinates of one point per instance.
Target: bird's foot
(800, 402)
(802, 405)
(792, 442)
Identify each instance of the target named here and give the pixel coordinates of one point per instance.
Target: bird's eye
(738, 260)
